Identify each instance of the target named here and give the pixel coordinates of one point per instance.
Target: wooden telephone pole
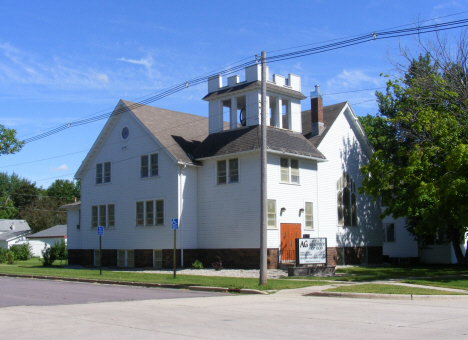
(263, 174)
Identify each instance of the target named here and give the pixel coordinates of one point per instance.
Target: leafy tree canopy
(420, 166)
(65, 190)
(8, 142)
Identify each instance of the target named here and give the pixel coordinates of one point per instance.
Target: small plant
(60, 250)
(48, 256)
(197, 265)
(8, 256)
(218, 265)
(23, 252)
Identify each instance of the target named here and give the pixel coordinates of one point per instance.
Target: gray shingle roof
(255, 85)
(5, 225)
(56, 231)
(180, 133)
(8, 235)
(330, 113)
(248, 139)
(71, 205)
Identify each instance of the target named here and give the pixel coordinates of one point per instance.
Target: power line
(201, 79)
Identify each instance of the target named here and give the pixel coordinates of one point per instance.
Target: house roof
(56, 231)
(330, 113)
(18, 225)
(179, 133)
(254, 85)
(8, 235)
(248, 139)
(71, 205)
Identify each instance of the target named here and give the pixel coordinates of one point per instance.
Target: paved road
(284, 315)
(34, 292)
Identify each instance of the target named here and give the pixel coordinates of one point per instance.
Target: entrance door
(289, 233)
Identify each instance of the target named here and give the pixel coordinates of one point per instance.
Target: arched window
(346, 201)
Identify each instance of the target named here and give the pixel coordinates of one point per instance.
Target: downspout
(317, 191)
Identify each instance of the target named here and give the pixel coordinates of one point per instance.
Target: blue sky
(62, 61)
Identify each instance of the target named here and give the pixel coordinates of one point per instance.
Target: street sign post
(100, 232)
(174, 226)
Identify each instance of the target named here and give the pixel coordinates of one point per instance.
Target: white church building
(150, 165)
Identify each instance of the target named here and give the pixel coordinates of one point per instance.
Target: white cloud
(148, 62)
(354, 80)
(62, 167)
(102, 77)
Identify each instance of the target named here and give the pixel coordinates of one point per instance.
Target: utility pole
(263, 175)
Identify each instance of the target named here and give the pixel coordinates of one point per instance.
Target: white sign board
(312, 250)
(175, 223)
(100, 231)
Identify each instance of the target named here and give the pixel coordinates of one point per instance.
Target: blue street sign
(100, 231)
(175, 223)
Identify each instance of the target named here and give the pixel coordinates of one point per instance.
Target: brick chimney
(316, 111)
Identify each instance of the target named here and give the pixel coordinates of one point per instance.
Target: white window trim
(276, 215)
(313, 222)
(351, 202)
(290, 182)
(154, 213)
(227, 171)
(149, 166)
(107, 215)
(103, 171)
(384, 227)
(126, 258)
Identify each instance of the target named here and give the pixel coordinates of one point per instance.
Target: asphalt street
(284, 315)
(36, 292)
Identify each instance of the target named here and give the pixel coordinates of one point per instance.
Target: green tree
(7, 209)
(8, 142)
(44, 213)
(420, 166)
(65, 190)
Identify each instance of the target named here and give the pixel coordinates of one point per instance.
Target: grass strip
(360, 274)
(455, 283)
(32, 267)
(388, 289)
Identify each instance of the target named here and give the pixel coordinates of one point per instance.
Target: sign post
(100, 232)
(175, 226)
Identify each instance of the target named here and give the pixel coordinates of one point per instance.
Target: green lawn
(387, 289)
(34, 267)
(359, 274)
(455, 282)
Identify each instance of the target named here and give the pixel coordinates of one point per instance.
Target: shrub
(23, 252)
(8, 256)
(197, 265)
(60, 250)
(48, 256)
(218, 265)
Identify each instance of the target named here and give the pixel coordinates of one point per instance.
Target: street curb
(388, 296)
(140, 284)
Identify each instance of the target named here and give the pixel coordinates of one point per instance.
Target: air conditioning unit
(77, 226)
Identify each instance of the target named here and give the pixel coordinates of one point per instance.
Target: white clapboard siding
(404, 245)
(188, 206)
(73, 233)
(229, 214)
(343, 152)
(126, 188)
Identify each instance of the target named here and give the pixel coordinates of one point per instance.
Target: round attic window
(125, 133)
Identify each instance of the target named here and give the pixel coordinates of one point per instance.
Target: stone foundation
(320, 271)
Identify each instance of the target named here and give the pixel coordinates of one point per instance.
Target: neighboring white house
(46, 238)
(13, 232)
(151, 165)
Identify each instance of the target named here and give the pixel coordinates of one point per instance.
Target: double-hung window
(103, 215)
(103, 173)
(271, 205)
(150, 213)
(289, 170)
(149, 166)
(309, 215)
(228, 171)
(388, 232)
